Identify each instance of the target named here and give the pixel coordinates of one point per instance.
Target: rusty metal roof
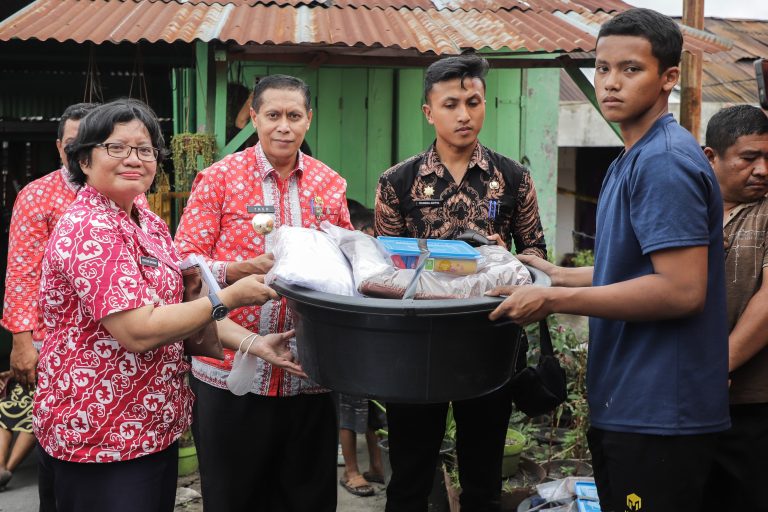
(727, 76)
(439, 26)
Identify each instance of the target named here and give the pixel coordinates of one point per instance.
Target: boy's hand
(524, 304)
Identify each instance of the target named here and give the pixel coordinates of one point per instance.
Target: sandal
(357, 485)
(5, 477)
(374, 478)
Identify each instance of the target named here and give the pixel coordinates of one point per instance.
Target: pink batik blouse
(95, 400)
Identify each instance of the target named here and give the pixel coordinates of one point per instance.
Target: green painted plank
(489, 135)
(508, 113)
(201, 64)
(353, 134)
(380, 125)
(411, 130)
(220, 108)
(539, 118)
(328, 117)
(238, 139)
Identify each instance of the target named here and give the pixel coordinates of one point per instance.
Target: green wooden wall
(366, 119)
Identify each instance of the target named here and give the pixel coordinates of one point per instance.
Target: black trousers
(146, 484)
(415, 435)
(739, 475)
(650, 472)
(270, 454)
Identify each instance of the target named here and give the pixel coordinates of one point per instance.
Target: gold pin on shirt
(429, 190)
(494, 185)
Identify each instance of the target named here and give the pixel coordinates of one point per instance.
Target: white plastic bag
(366, 254)
(244, 368)
(310, 258)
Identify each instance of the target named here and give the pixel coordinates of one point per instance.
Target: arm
(560, 276)
(750, 334)
(147, 328)
(273, 348)
(23, 359)
(388, 221)
(527, 231)
(675, 289)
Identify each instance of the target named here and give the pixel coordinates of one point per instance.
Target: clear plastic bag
(365, 254)
(497, 267)
(310, 258)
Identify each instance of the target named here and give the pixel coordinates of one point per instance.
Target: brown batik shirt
(746, 255)
(419, 198)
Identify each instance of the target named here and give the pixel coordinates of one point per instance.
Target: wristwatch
(220, 311)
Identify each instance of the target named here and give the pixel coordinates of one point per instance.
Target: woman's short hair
(99, 124)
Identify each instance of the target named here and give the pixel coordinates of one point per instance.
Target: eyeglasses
(120, 150)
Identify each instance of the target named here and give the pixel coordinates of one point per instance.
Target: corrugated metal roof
(440, 26)
(727, 76)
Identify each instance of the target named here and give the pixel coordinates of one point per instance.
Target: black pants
(415, 435)
(650, 472)
(740, 471)
(267, 454)
(146, 484)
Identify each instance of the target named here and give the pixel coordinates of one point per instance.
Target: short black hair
(661, 31)
(99, 124)
(290, 83)
(360, 216)
(730, 123)
(464, 66)
(74, 112)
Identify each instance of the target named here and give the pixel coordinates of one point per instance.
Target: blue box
(405, 251)
(588, 505)
(586, 491)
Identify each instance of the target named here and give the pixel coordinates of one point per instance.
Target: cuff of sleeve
(219, 271)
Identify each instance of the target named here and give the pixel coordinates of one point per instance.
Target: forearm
(646, 298)
(232, 334)
(572, 277)
(750, 334)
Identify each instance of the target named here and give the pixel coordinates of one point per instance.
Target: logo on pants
(634, 502)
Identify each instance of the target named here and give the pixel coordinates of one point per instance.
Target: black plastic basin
(412, 351)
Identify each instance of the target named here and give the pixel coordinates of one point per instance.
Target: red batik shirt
(36, 211)
(95, 400)
(217, 225)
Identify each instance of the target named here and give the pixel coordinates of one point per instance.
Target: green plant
(191, 152)
(584, 258)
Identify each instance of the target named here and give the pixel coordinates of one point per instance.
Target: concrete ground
(21, 493)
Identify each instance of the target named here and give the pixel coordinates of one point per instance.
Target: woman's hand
(246, 291)
(275, 349)
(498, 239)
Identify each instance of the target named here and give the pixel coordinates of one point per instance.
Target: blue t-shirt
(666, 377)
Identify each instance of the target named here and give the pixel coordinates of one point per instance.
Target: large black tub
(413, 351)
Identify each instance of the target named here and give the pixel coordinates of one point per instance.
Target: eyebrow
(621, 63)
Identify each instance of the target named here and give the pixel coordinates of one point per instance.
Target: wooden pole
(690, 79)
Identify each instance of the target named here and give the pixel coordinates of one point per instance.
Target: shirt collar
(264, 167)
(432, 163)
(89, 192)
(67, 177)
(736, 210)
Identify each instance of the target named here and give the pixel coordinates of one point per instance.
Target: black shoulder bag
(538, 390)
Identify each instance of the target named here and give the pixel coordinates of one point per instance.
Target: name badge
(260, 209)
(149, 261)
(429, 202)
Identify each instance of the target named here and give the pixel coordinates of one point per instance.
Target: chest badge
(429, 191)
(493, 185)
(263, 223)
(316, 205)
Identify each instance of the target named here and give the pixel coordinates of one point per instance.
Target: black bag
(539, 390)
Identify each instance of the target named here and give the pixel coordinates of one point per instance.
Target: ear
(671, 76)
(427, 112)
(711, 156)
(309, 118)
(252, 113)
(59, 145)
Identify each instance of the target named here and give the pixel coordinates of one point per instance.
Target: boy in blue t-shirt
(657, 376)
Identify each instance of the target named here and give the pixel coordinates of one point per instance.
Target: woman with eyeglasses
(111, 400)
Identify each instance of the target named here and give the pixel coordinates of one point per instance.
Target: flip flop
(358, 486)
(374, 478)
(5, 477)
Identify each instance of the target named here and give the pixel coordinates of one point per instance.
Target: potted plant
(513, 447)
(191, 152)
(187, 454)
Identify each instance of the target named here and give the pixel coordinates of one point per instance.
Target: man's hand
(237, 270)
(498, 239)
(524, 304)
(24, 359)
